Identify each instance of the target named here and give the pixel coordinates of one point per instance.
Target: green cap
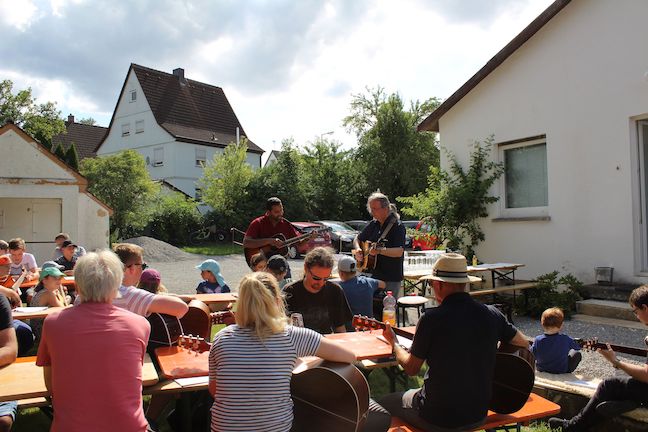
(50, 271)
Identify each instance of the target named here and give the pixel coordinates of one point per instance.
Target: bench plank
(504, 289)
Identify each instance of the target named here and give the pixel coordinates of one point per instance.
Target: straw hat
(451, 267)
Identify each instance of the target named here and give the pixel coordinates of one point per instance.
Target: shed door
(36, 220)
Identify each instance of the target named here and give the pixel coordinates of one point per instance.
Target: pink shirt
(96, 351)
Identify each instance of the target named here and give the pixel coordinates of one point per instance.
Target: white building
(177, 124)
(40, 196)
(567, 103)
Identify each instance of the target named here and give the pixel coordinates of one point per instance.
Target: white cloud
(17, 14)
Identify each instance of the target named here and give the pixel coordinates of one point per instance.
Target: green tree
(392, 155)
(173, 217)
(42, 121)
(88, 121)
(225, 181)
(72, 156)
(122, 181)
(455, 200)
(59, 151)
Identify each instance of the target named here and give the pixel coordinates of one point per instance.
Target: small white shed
(40, 196)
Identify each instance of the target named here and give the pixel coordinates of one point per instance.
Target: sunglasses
(317, 278)
(143, 265)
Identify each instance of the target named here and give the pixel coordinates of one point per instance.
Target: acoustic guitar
(513, 375)
(593, 344)
(368, 261)
(328, 396)
(271, 250)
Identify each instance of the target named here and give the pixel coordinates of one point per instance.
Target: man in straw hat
(458, 340)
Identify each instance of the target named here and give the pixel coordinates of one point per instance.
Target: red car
(323, 239)
(422, 238)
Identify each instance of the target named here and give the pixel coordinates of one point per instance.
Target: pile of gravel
(159, 251)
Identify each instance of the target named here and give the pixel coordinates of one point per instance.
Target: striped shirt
(132, 299)
(253, 377)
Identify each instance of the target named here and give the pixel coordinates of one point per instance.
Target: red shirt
(262, 227)
(96, 352)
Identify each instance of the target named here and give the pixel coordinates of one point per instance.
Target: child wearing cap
(359, 290)
(213, 281)
(278, 267)
(555, 352)
(49, 293)
(151, 281)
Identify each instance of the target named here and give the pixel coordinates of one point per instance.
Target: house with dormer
(567, 104)
(176, 124)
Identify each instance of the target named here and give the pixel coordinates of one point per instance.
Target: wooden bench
(504, 289)
(535, 408)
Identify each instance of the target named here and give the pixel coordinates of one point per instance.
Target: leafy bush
(547, 294)
(174, 216)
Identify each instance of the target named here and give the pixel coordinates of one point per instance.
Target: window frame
(156, 162)
(200, 162)
(133, 96)
(521, 212)
(137, 129)
(125, 129)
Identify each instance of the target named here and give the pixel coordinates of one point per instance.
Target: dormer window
(133, 96)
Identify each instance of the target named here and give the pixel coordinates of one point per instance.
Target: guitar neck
(295, 239)
(617, 348)
(366, 323)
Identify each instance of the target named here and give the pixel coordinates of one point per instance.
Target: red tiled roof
(431, 122)
(190, 110)
(86, 138)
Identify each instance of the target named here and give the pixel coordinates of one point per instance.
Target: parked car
(423, 237)
(409, 225)
(342, 235)
(357, 224)
(323, 239)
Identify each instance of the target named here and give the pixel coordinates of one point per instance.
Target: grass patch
(216, 249)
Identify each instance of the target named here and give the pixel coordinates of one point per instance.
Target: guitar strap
(389, 227)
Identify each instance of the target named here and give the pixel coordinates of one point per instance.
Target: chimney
(70, 119)
(179, 72)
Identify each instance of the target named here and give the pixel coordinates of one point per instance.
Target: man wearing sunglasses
(137, 300)
(322, 303)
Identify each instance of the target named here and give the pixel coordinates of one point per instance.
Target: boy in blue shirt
(359, 290)
(213, 282)
(555, 352)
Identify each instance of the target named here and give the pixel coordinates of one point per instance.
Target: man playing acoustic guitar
(263, 232)
(615, 395)
(458, 340)
(388, 232)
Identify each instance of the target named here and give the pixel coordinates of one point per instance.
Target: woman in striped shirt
(251, 362)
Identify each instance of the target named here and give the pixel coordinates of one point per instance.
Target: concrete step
(606, 308)
(618, 292)
(603, 321)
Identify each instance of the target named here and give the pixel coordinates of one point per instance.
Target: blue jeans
(25, 337)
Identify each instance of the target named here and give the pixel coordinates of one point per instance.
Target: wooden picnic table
(365, 345)
(214, 298)
(24, 380)
(67, 281)
(36, 312)
(499, 271)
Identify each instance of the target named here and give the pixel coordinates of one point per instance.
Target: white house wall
(97, 234)
(581, 81)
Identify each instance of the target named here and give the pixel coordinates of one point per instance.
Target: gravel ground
(180, 276)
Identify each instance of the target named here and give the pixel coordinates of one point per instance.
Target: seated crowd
(115, 292)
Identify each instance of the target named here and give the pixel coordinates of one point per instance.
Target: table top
(214, 298)
(24, 380)
(494, 266)
(365, 345)
(67, 281)
(35, 312)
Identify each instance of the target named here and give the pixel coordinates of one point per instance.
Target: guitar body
(329, 396)
(197, 320)
(267, 250)
(368, 262)
(165, 330)
(513, 379)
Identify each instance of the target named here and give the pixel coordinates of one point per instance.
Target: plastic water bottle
(389, 309)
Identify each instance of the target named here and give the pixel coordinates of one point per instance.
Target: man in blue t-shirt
(359, 290)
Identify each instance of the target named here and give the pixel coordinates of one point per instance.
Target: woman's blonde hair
(153, 287)
(97, 276)
(260, 306)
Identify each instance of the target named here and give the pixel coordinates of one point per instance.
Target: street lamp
(321, 136)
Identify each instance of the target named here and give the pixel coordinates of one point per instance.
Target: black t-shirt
(387, 269)
(322, 311)
(458, 340)
(68, 265)
(5, 313)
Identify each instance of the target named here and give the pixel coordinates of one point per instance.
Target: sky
(288, 68)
